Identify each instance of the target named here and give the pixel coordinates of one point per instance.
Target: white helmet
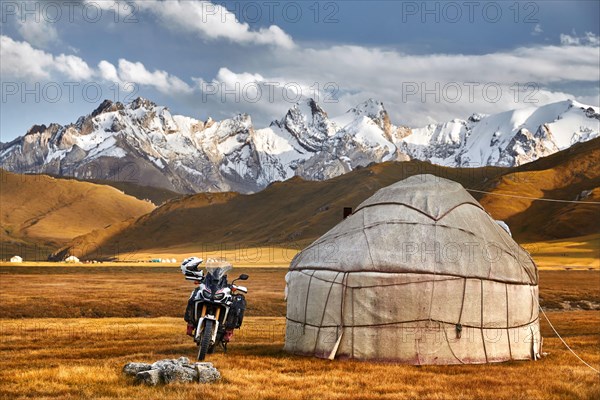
(189, 265)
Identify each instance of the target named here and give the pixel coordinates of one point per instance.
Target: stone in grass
(207, 373)
(151, 377)
(133, 368)
(179, 373)
(171, 371)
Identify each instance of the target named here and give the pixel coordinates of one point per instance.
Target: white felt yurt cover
(420, 274)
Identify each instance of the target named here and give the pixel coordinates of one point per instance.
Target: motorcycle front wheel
(205, 340)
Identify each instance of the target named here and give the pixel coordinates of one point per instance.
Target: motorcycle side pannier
(236, 312)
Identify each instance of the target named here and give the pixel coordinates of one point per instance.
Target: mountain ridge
(292, 213)
(143, 143)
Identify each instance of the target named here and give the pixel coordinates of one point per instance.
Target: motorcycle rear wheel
(205, 340)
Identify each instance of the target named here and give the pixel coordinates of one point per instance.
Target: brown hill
(288, 214)
(38, 212)
(295, 212)
(158, 196)
(572, 174)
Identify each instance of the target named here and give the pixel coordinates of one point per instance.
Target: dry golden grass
(72, 358)
(82, 358)
(90, 291)
(570, 289)
(581, 252)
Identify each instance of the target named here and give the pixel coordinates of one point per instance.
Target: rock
(179, 373)
(207, 373)
(151, 377)
(172, 370)
(160, 364)
(183, 360)
(133, 368)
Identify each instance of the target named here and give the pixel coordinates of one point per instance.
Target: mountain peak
(375, 110)
(36, 129)
(107, 106)
(309, 123)
(371, 108)
(307, 107)
(141, 102)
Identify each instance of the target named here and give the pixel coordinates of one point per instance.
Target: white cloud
(537, 30)
(136, 72)
(589, 39)
(73, 66)
(35, 30)
(355, 73)
(20, 60)
(392, 76)
(108, 72)
(230, 78)
(213, 21)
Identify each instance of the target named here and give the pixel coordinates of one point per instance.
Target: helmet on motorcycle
(190, 266)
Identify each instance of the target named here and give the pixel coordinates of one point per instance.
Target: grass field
(581, 252)
(577, 253)
(52, 346)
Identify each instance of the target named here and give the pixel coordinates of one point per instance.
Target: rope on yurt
(352, 328)
(324, 310)
(507, 322)
(367, 241)
(565, 343)
(380, 271)
(435, 260)
(458, 325)
(534, 198)
(339, 339)
(512, 253)
(411, 321)
(481, 329)
(306, 303)
(450, 278)
(450, 347)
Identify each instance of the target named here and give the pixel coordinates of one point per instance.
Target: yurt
(419, 273)
(16, 259)
(72, 259)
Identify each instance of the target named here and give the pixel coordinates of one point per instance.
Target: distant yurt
(16, 259)
(72, 259)
(419, 273)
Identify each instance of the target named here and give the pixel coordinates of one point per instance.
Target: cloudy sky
(427, 61)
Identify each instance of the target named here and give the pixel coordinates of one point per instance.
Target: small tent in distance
(418, 274)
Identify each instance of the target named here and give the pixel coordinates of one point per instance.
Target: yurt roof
(428, 194)
(423, 224)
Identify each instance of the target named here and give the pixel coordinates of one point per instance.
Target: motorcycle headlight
(219, 296)
(206, 293)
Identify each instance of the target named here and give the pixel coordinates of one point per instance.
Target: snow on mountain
(145, 143)
(505, 139)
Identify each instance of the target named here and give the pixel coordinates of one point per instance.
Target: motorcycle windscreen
(218, 269)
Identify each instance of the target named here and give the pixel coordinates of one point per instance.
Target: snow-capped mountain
(508, 138)
(144, 143)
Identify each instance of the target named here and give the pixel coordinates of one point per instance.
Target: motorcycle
(218, 308)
